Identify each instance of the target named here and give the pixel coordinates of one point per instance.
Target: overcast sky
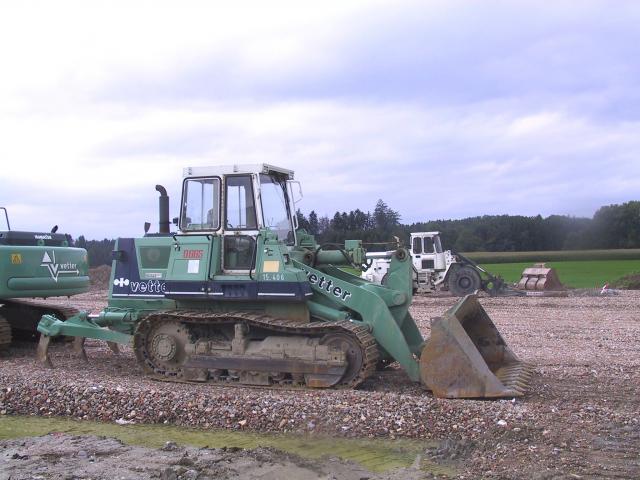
(443, 109)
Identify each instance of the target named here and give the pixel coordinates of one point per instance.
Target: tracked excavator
(240, 296)
(36, 265)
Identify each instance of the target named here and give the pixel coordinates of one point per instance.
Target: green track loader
(240, 295)
(36, 265)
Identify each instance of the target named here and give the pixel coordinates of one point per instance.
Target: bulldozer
(36, 265)
(239, 295)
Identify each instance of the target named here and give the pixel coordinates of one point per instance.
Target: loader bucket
(540, 278)
(466, 357)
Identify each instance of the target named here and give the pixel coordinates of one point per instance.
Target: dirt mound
(628, 282)
(99, 277)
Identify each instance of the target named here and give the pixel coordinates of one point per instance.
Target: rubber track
(61, 311)
(367, 342)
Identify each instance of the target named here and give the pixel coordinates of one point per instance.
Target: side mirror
(175, 221)
(147, 226)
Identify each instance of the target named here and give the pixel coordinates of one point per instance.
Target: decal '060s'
(320, 282)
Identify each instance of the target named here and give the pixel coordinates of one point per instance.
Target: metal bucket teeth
(515, 376)
(466, 357)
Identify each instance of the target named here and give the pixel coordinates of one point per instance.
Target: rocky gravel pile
(112, 389)
(579, 418)
(99, 277)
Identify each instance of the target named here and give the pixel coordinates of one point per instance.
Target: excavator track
(152, 346)
(5, 333)
(24, 314)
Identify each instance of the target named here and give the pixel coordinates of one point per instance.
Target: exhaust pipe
(163, 202)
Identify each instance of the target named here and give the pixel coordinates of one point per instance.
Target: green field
(554, 256)
(576, 274)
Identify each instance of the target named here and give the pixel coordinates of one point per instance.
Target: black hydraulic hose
(253, 257)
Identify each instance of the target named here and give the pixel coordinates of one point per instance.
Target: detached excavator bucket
(466, 357)
(540, 278)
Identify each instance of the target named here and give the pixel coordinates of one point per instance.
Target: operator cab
(20, 238)
(426, 250)
(236, 202)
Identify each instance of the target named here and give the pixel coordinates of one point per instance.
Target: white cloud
(443, 109)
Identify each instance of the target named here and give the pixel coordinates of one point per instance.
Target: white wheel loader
(437, 268)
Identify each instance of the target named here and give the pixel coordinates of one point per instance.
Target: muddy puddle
(375, 455)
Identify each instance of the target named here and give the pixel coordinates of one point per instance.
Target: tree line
(612, 226)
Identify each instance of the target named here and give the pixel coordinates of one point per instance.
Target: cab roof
(236, 169)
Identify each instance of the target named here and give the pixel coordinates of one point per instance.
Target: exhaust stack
(163, 204)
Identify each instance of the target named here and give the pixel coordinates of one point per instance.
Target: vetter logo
(56, 269)
(143, 287)
(328, 286)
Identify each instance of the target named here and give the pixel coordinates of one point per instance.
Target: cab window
(275, 207)
(201, 207)
(438, 245)
(417, 245)
(428, 245)
(241, 210)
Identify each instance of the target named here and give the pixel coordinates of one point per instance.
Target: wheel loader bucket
(466, 357)
(540, 278)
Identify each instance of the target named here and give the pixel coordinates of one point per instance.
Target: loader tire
(463, 281)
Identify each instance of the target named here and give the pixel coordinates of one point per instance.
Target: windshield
(438, 244)
(275, 207)
(201, 207)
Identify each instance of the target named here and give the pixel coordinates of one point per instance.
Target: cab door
(416, 252)
(440, 257)
(428, 254)
(240, 224)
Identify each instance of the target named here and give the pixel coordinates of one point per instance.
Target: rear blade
(466, 357)
(78, 349)
(540, 278)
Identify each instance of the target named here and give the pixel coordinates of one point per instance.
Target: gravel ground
(579, 420)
